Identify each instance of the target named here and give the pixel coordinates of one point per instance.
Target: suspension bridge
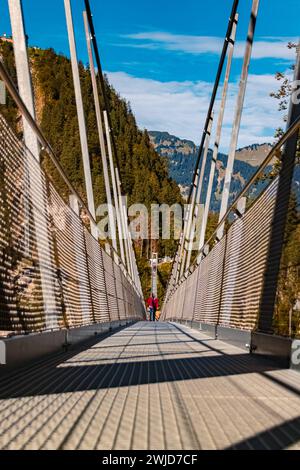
(80, 366)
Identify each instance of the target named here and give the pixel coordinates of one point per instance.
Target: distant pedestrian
(153, 306)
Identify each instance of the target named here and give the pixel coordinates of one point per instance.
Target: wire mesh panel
(168, 308)
(184, 311)
(126, 289)
(97, 279)
(181, 300)
(53, 273)
(110, 284)
(207, 303)
(246, 256)
(139, 307)
(125, 293)
(172, 305)
(200, 312)
(190, 294)
(71, 261)
(230, 279)
(22, 298)
(119, 291)
(129, 299)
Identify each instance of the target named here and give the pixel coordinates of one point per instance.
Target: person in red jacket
(152, 303)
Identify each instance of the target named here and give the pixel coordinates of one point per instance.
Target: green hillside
(144, 173)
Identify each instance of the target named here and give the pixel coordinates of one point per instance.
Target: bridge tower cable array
(227, 41)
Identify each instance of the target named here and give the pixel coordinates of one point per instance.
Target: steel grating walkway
(151, 386)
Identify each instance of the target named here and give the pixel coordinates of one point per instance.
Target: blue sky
(162, 56)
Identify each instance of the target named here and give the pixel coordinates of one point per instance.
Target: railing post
(128, 237)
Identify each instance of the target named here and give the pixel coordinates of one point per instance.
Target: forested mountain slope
(144, 172)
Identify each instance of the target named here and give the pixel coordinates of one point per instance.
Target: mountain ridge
(181, 155)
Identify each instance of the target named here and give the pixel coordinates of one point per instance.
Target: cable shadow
(269, 359)
(173, 353)
(62, 379)
(276, 438)
(139, 344)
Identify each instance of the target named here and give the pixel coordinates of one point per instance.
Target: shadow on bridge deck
(151, 386)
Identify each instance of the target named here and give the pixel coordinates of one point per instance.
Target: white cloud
(180, 107)
(263, 48)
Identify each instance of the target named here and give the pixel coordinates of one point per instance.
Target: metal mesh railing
(229, 283)
(247, 244)
(53, 272)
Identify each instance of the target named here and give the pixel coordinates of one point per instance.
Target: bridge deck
(151, 386)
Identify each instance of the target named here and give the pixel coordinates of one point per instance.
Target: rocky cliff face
(182, 154)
